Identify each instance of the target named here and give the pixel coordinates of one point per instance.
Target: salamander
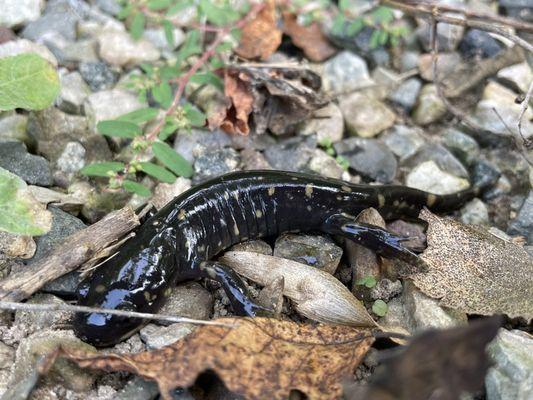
(178, 242)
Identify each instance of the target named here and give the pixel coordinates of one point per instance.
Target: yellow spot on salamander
(431, 199)
(236, 229)
(271, 191)
(99, 289)
(309, 208)
(381, 200)
(226, 196)
(309, 191)
(396, 203)
(339, 198)
(258, 213)
(167, 292)
(181, 215)
(346, 188)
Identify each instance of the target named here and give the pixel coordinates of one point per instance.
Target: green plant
(327, 145)
(380, 19)
(166, 83)
(380, 308)
(368, 281)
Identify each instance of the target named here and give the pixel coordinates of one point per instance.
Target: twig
(75, 250)
(10, 305)
(528, 143)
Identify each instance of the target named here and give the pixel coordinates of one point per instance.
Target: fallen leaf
(233, 118)
(317, 294)
(310, 38)
(257, 358)
(437, 365)
(475, 271)
(260, 37)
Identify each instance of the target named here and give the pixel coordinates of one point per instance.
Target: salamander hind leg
(377, 239)
(238, 295)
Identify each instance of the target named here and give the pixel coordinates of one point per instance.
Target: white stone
(15, 47)
(429, 177)
(158, 38)
(345, 73)
(520, 74)
(119, 48)
(18, 12)
(364, 116)
(328, 124)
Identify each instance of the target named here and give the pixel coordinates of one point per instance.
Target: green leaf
(167, 130)
(338, 24)
(137, 25)
(103, 169)
(125, 11)
(20, 213)
(368, 281)
(169, 72)
(137, 188)
(194, 116)
(207, 78)
(163, 94)
(158, 172)
(355, 27)
(374, 39)
(345, 5)
(158, 5)
(380, 308)
(168, 28)
(383, 15)
(216, 15)
(190, 47)
(139, 116)
(118, 128)
(27, 81)
(179, 6)
(383, 37)
(172, 160)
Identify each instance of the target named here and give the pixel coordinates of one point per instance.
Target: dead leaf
(437, 365)
(475, 271)
(310, 38)
(233, 117)
(317, 294)
(258, 358)
(260, 37)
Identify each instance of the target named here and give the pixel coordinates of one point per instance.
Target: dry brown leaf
(233, 118)
(475, 271)
(437, 365)
(257, 358)
(260, 37)
(310, 38)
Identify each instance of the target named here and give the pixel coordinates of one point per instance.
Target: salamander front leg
(372, 237)
(234, 287)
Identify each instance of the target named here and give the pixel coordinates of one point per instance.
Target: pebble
(158, 38)
(155, 336)
(199, 141)
(475, 212)
(44, 342)
(73, 93)
(110, 104)
(325, 165)
(20, 46)
(448, 36)
(291, 154)
(523, 223)
(407, 94)
(345, 73)
(60, 17)
(215, 163)
(188, 300)
(371, 118)
(72, 159)
(252, 159)
(429, 177)
(35, 170)
(404, 141)
(316, 251)
(430, 107)
(479, 44)
(119, 48)
(519, 74)
(31, 322)
(165, 192)
(464, 147)
(447, 64)
(13, 127)
(81, 51)
(510, 376)
(13, 245)
(7, 356)
(385, 290)
(327, 124)
(18, 12)
(98, 75)
(369, 158)
(253, 246)
(444, 159)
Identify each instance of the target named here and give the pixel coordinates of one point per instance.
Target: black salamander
(177, 242)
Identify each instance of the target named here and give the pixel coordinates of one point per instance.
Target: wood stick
(75, 250)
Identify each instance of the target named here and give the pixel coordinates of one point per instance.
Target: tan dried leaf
(257, 358)
(260, 37)
(310, 38)
(475, 271)
(317, 294)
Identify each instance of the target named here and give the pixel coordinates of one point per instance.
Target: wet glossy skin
(175, 243)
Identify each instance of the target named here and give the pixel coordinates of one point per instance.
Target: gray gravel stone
(98, 75)
(429, 177)
(13, 127)
(317, 251)
(407, 93)
(475, 212)
(292, 154)
(464, 147)
(369, 158)
(479, 44)
(31, 322)
(511, 376)
(188, 300)
(385, 290)
(35, 170)
(199, 141)
(120, 49)
(72, 159)
(328, 124)
(441, 156)
(404, 141)
(20, 46)
(73, 93)
(364, 116)
(165, 192)
(60, 16)
(345, 73)
(158, 38)
(325, 165)
(519, 75)
(523, 223)
(17, 12)
(216, 163)
(155, 336)
(430, 107)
